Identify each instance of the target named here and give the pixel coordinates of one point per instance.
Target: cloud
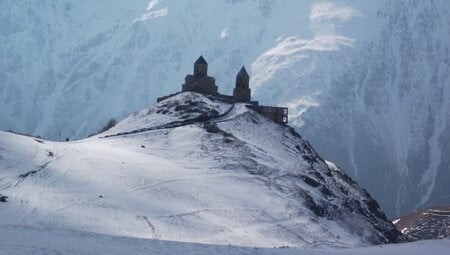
(285, 53)
(325, 16)
(151, 12)
(328, 11)
(301, 105)
(294, 52)
(290, 50)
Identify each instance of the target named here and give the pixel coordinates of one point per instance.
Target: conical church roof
(201, 60)
(243, 72)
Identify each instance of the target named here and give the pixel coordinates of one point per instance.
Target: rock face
(431, 223)
(194, 169)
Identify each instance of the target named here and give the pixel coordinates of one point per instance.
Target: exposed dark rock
(318, 175)
(431, 223)
(310, 181)
(318, 210)
(374, 208)
(293, 132)
(210, 127)
(309, 159)
(3, 199)
(326, 191)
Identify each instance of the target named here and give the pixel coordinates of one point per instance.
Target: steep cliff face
(387, 117)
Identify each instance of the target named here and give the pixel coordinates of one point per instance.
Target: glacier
(366, 81)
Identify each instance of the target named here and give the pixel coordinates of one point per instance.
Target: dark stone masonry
(202, 83)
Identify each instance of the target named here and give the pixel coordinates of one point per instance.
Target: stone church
(200, 82)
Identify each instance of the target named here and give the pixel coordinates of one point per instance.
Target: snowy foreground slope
(189, 169)
(28, 240)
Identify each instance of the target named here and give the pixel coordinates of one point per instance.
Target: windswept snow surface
(181, 107)
(234, 178)
(28, 240)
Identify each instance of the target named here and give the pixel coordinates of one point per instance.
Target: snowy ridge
(179, 110)
(238, 179)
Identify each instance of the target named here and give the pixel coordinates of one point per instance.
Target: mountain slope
(233, 177)
(386, 118)
(431, 223)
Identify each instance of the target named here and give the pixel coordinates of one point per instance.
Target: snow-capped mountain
(365, 80)
(78, 64)
(189, 169)
(387, 117)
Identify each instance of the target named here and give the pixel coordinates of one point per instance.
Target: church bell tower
(242, 90)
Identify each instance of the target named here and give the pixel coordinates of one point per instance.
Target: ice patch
(325, 15)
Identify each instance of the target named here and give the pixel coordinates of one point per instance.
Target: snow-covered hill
(365, 80)
(189, 169)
